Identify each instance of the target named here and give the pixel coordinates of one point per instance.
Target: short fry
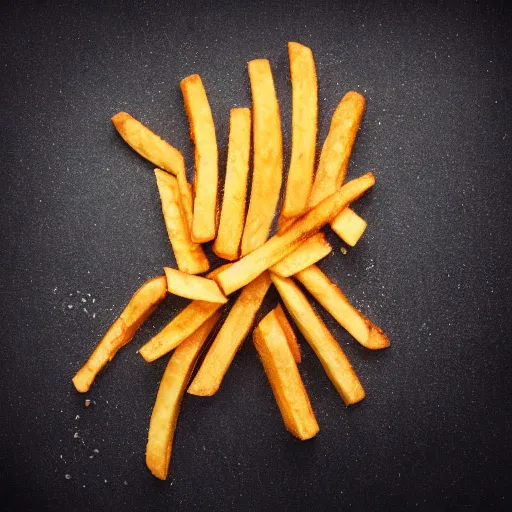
(308, 253)
(304, 128)
(293, 343)
(202, 133)
(337, 147)
(268, 156)
(168, 399)
(151, 147)
(332, 357)
(232, 217)
(193, 287)
(349, 226)
(189, 256)
(141, 305)
(280, 245)
(333, 300)
(283, 375)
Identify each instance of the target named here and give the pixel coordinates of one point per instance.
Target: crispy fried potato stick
(202, 132)
(181, 326)
(168, 399)
(230, 337)
(337, 147)
(268, 156)
(283, 375)
(333, 300)
(349, 226)
(193, 287)
(141, 305)
(304, 128)
(332, 357)
(232, 217)
(151, 147)
(293, 343)
(280, 245)
(308, 253)
(189, 256)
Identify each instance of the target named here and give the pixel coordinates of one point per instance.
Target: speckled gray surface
(81, 229)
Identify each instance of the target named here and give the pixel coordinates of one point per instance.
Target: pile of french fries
(312, 200)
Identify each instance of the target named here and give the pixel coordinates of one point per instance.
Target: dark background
(80, 219)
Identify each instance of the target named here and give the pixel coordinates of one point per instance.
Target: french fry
(168, 399)
(232, 217)
(293, 343)
(141, 305)
(280, 245)
(308, 253)
(327, 349)
(202, 132)
(289, 391)
(304, 128)
(230, 337)
(349, 226)
(193, 287)
(151, 147)
(189, 256)
(268, 157)
(181, 326)
(333, 300)
(337, 147)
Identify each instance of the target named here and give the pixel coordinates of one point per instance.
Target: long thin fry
(268, 156)
(151, 147)
(283, 375)
(349, 226)
(141, 305)
(332, 357)
(337, 147)
(246, 269)
(293, 343)
(232, 217)
(168, 399)
(333, 300)
(308, 253)
(304, 128)
(193, 287)
(230, 337)
(202, 132)
(189, 256)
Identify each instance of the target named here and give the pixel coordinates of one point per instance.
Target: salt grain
(67, 477)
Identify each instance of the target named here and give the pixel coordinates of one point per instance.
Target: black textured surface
(82, 229)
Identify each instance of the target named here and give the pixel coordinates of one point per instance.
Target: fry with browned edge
(280, 245)
(190, 256)
(168, 399)
(202, 133)
(268, 156)
(293, 343)
(282, 372)
(193, 287)
(141, 305)
(333, 300)
(327, 349)
(232, 216)
(233, 332)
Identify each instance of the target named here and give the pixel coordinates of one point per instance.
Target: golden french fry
(337, 147)
(268, 156)
(141, 305)
(189, 256)
(304, 128)
(282, 372)
(308, 253)
(280, 245)
(151, 147)
(333, 300)
(349, 226)
(230, 337)
(232, 217)
(293, 343)
(193, 287)
(202, 132)
(168, 399)
(332, 357)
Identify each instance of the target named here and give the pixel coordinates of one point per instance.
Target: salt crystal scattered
(77, 417)
(93, 300)
(67, 477)
(76, 435)
(84, 299)
(96, 450)
(94, 315)
(70, 306)
(86, 311)
(125, 482)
